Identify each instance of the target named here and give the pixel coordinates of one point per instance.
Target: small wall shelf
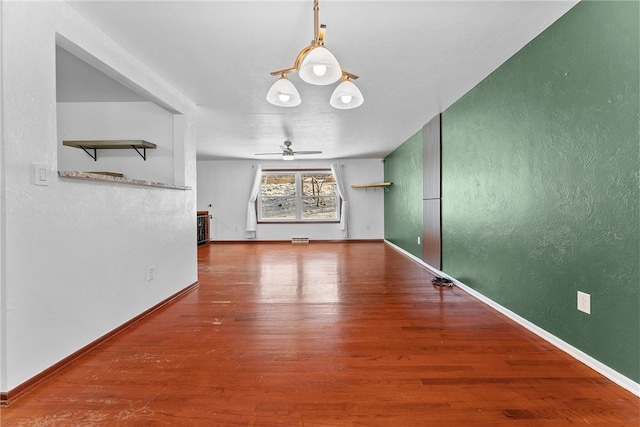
(384, 185)
(111, 145)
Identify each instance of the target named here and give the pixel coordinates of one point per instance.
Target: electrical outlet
(151, 270)
(584, 302)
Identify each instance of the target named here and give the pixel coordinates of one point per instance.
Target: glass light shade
(283, 93)
(346, 96)
(320, 67)
(287, 156)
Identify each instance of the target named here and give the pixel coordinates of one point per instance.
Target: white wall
(3, 225)
(117, 121)
(226, 185)
(75, 253)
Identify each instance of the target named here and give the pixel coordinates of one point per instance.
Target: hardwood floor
(323, 334)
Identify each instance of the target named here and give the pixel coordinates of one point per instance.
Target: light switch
(40, 174)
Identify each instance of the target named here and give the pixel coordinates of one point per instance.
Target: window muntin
(298, 196)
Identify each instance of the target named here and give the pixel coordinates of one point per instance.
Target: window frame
(299, 197)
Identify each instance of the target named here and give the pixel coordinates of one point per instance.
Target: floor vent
(299, 240)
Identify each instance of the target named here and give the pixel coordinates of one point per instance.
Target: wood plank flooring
(323, 334)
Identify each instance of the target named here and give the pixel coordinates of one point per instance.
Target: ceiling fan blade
(288, 152)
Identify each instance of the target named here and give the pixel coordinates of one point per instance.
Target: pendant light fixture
(316, 66)
(283, 93)
(346, 95)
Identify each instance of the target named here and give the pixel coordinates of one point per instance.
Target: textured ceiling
(414, 59)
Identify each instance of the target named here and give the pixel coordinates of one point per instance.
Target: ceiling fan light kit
(316, 66)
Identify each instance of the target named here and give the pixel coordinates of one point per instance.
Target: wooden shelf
(95, 145)
(375, 185)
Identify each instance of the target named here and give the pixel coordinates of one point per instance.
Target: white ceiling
(414, 59)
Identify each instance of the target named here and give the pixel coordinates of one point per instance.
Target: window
(298, 196)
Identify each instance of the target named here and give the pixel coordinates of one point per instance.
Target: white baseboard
(594, 364)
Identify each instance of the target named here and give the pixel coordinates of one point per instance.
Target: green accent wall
(541, 183)
(403, 202)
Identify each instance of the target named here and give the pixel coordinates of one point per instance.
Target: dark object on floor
(441, 281)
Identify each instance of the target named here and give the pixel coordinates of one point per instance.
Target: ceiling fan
(288, 153)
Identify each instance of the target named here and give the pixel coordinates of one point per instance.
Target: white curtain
(338, 175)
(252, 219)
